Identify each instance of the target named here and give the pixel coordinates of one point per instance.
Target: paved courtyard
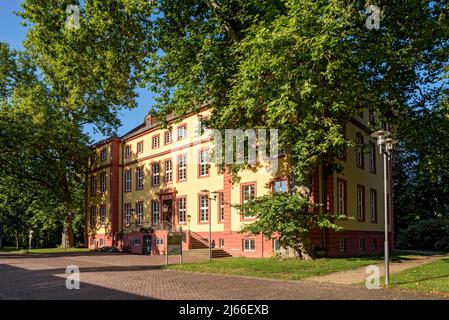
(120, 276)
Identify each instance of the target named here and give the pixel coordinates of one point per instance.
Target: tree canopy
(65, 79)
(304, 67)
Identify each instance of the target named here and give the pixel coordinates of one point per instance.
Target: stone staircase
(199, 247)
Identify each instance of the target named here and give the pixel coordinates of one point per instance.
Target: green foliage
(289, 217)
(432, 234)
(64, 80)
(304, 67)
(92, 70)
(421, 176)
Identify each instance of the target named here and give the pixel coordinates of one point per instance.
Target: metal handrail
(199, 237)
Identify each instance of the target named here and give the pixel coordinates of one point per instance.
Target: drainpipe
(121, 170)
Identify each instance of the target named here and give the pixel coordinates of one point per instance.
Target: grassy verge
(432, 277)
(289, 269)
(43, 250)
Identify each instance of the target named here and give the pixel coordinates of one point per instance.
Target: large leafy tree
(421, 172)
(68, 78)
(304, 67)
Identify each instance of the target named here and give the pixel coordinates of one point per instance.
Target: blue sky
(13, 33)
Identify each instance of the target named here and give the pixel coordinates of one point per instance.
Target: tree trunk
(304, 248)
(67, 239)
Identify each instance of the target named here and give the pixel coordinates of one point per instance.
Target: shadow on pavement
(22, 284)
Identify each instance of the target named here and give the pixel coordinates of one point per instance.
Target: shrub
(426, 234)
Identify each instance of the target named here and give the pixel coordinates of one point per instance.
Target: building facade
(154, 180)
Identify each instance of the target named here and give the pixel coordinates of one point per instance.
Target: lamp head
(380, 133)
(391, 141)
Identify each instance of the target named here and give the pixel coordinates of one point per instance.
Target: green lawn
(289, 269)
(432, 277)
(43, 250)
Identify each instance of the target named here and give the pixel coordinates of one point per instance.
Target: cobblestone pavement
(119, 276)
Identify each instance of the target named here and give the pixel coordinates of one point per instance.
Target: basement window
(249, 245)
(342, 245)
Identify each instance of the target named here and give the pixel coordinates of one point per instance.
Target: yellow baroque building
(152, 181)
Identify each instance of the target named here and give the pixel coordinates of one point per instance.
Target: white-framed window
(156, 141)
(103, 215)
(168, 164)
(93, 217)
(168, 137)
(155, 211)
(139, 209)
(276, 245)
(140, 147)
(93, 185)
(342, 245)
(222, 206)
(341, 197)
(248, 194)
(360, 202)
(359, 157)
(204, 165)
(103, 182)
(221, 243)
(182, 132)
(156, 169)
(182, 168)
(127, 181)
(249, 245)
(94, 157)
(371, 115)
(128, 152)
(101, 242)
(159, 241)
(103, 154)
(127, 215)
(139, 177)
(373, 205)
(136, 241)
(372, 157)
(204, 208)
(361, 244)
(374, 244)
(280, 186)
(182, 208)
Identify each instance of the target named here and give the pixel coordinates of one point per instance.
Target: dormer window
(149, 120)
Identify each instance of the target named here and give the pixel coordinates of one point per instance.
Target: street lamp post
(30, 237)
(385, 146)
